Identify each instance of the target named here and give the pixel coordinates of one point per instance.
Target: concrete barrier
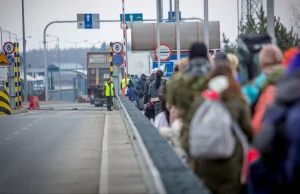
(162, 169)
(5, 108)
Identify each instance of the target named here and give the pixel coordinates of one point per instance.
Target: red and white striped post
(124, 45)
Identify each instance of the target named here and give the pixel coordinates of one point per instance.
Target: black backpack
(248, 48)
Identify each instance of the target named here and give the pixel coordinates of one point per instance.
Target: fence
(67, 95)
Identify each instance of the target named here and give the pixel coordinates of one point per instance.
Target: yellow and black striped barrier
(17, 79)
(111, 54)
(111, 68)
(4, 103)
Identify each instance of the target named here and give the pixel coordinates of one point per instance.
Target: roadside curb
(21, 111)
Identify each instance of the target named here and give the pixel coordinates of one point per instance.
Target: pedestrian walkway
(120, 171)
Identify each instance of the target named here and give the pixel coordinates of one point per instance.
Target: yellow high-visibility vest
(109, 89)
(123, 82)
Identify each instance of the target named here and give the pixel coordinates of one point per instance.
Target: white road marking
(16, 133)
(104, 159)
(30, 124)
(35, 121)
(7, 138)
(24, 128)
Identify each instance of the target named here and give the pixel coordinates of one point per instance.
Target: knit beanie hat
(295, 64)
(270, 55)
(198, 49)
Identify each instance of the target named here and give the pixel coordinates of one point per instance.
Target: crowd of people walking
(234, 120)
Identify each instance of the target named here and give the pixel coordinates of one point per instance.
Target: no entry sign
(165, 52)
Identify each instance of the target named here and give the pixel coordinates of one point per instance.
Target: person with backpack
(154, 91)
(277, 170)
(270, 57)
(132, 93)
(221, 172)
(183, 88)
(140, 97)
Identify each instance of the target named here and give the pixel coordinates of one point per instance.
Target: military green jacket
(181, 91)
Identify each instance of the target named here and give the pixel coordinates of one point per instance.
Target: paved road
(51, 152)
(67, 106)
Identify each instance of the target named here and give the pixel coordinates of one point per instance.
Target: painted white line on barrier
(8, 138)
(103, 185)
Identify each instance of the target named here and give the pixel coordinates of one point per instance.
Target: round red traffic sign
(117, 47)
(165, 52)
(8, 47)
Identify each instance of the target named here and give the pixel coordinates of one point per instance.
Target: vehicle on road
(98, 72)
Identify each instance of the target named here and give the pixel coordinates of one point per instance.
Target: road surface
(60, 152)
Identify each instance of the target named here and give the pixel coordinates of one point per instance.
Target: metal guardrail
(162, 169)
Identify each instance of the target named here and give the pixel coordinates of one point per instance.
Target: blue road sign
(11, 59)
(88, 21)
(173, 16)
(174, 57)
(168, 67)
(132, 17)
(117, 60)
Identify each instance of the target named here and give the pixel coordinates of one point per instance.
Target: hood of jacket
(288, 89)
(143, 78)
(276, 74)
(198, 67)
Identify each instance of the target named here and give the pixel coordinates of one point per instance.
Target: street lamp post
(1, 38)
(59, 74)
(24, 52)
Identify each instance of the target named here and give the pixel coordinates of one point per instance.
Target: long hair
(159, 75)
(234, 88)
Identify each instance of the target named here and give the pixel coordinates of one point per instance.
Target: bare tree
(295, 15)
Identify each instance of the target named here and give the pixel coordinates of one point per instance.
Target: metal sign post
(206, 24)
(158, 12)
(177, 30)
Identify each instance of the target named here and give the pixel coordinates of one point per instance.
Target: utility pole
(270, 18)
(59, 76)
(24, 53)
(171, 10)
(158, 10)
(206, 24)
(177, 29)
(238, 16)
(1, 38)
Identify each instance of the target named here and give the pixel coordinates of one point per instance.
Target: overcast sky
(40, 12)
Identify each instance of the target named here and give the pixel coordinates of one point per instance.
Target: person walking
(184, 87)
(132, 93)
(224, 176)
(154, 91)
(109, 94)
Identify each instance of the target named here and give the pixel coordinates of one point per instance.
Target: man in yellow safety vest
(109, 91)
(123, 82)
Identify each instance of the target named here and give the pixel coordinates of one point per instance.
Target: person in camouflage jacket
(184, 87)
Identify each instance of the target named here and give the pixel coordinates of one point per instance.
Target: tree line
(35, 57)
(286, 38)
